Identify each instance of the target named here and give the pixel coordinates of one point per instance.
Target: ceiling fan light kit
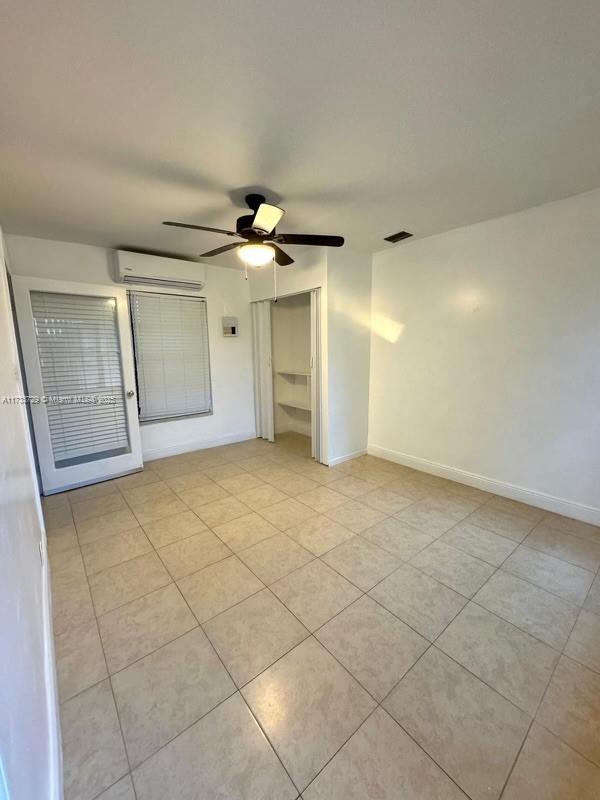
(256, 255)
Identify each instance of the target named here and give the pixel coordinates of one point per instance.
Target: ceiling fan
(259, 231)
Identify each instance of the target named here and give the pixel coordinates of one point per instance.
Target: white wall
(349, 321)
(29, 737)
(227, 293)
(486, 355)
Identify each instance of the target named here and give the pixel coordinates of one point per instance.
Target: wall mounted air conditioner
(144, 270)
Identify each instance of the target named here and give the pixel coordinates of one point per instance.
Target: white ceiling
(360, 118)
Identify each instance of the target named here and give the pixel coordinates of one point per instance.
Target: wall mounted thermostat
(230, 326)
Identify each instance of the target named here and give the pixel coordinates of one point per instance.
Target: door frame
(53, 479)
(318, 305)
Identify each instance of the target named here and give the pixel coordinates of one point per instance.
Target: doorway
(287, 371)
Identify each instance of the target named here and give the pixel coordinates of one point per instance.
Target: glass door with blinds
(79, 367)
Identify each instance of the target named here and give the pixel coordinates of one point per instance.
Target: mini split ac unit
(143, 269)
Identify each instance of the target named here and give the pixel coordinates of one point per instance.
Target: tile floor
(244, 623)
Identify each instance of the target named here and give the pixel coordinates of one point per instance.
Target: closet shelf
(292, 372)
(294, 404)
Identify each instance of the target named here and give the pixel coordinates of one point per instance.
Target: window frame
(188, 296)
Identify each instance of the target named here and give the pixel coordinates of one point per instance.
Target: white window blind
(80, 362)
(171, 353)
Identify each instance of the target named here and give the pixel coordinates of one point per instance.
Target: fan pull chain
(245, 271)
(274, 279)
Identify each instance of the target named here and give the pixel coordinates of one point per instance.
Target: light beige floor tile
(201, 496)
(261, 497)
(322, 499)
(308, 706)
(571, 708)
(224, 755)
(397, 538)
(221, 511)
(66, 561)
(98, 506)
(56, 502)
(138, 495)
(167, 691)
(218, 587)
(189, 482)
(274, 472)
(194, 553)
(164, 503)
(467, 492)
(565, 546)
(288, 513)
(319, 534)
(253, 634)
(420, 601)
(361, 562)
(71, 602)
(172, 529)
(220, 471)
(351, 486)
(507, 659)
(549, 769)
(409, 487)
(530, 608)
(381, 761)
(79, 659)
(121, 790)
(172, 466)
(93, 492)
(573, 526)
(252, 464)
(430, 516)
(57, 518)
(275, 557)
(317, 472)
(315, 593)
(62, 538)
(137, 479)
(236, 484)
(514, 507)
(385, 500)
(136, 629)
(509, 525)
(90, 530)
(375, 646)
(584, 642)
(127, 581)
(471, 731)
(478, 542)
(293, 484)
(592, 602)
(454, 568)
(244, 531)
(112, 550)
(93, 751)
(355, 516)
(556, 576)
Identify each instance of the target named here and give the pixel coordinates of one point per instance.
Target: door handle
(130, 393)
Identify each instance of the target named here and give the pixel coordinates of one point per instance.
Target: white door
(263, 370)
(79, 366)
(315, 373)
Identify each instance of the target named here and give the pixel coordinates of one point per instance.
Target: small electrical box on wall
(230, 326)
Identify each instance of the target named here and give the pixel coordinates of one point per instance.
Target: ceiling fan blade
(280, 257)
(307, 238)
(200, 228)
(267, 217)
(219, 250)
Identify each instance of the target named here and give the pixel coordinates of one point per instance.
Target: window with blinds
(80, 360)
(170, 335)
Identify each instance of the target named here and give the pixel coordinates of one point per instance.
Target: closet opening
(287, 371)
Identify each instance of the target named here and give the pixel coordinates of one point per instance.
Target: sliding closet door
(263, 371)
(79, 366)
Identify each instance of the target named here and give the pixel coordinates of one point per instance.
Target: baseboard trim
(333, 461)
(558, 505)
(197, 444)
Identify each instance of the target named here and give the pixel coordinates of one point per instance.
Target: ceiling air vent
(397, 237)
